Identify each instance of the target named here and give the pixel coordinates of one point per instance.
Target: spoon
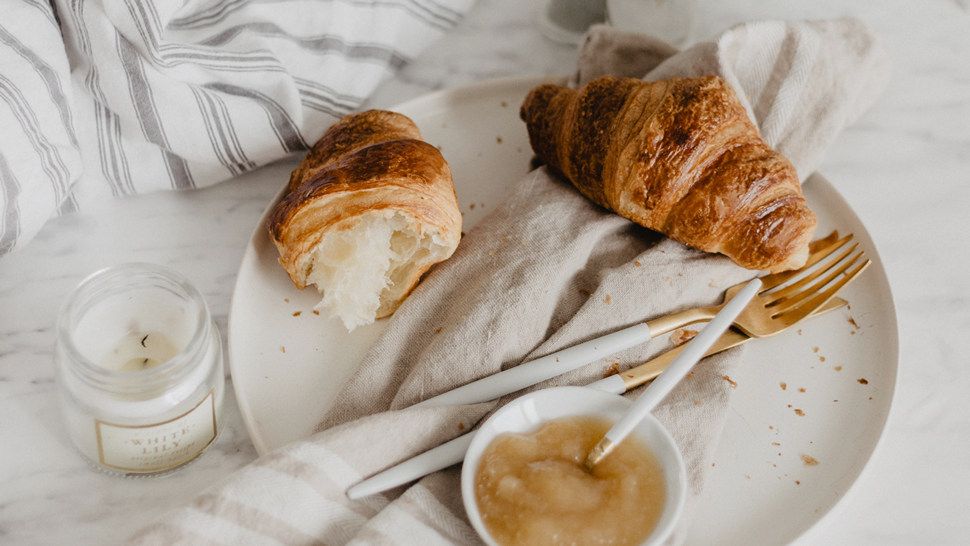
(661, 387)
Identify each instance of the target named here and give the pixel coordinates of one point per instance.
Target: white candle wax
(140, 370)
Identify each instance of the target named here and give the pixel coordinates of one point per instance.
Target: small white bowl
(527, 413)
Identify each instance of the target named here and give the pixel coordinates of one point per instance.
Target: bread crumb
(297, 313)
(815, 349)
(612, 369)
(681, 336)
(799, 412)
(799, 331)
(504, 104)
(286, 300)
(608, 299)
(461, 426)
(282, 348)
(809, 460)
(747, 476)
(797, 482)
(690, 375)
(463, 234)
(733, 383)
(438, 329)
(697, 402)
(771, 427)
(801, 389)
(776, 444)
(870, 398)
(472, 206)
(821, 358)
(636, 263)
(789, 406)
(498, 140)
(853, 323)
(316, 312)
(863, 381)
(783, 385)
(838, 368)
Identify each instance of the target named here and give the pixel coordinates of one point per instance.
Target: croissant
(368, 211)
(680, 157)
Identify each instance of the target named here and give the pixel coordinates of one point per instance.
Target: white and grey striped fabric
(117, 97)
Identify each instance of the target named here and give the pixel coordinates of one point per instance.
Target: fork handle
(538, 370)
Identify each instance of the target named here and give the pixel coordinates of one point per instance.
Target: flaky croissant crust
(678, 156)
(370, 161)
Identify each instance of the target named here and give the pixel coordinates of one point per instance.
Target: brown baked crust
(678, 156)
(370, 161)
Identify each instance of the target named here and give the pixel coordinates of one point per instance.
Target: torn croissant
(369, 210)
(678, 156)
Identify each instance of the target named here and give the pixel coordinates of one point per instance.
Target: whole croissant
(678, 156)
(368, 211)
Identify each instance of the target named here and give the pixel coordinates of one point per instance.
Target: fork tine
(819, 250)
(795, 287)
(788, 303)
(794, 315)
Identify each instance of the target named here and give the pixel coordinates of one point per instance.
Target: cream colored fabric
(545, 270)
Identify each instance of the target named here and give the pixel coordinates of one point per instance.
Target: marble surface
(905, 168)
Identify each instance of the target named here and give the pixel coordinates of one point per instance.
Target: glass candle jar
(139, 370)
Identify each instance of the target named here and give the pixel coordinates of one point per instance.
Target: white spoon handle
(691, 354)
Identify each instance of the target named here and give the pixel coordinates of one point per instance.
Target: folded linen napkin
(545, 270)
(102, 98)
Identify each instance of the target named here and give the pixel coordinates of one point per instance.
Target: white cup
(529, 412)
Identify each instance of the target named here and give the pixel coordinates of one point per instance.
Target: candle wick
(143, 341)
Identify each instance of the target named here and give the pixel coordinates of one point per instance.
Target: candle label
(160, 446)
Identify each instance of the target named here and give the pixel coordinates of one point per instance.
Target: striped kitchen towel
(116, 97)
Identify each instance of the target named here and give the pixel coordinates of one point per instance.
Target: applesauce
(533, 488)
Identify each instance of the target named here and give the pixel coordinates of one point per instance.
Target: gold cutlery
(784, 299)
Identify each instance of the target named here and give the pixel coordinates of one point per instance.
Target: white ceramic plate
(760, 489)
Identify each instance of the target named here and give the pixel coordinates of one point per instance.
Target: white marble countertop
(905, 168)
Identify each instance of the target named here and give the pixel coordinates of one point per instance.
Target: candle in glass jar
(140, 370)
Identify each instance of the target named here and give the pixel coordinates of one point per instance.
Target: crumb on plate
(809, 460)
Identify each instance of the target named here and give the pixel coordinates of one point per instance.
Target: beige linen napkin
(545, 270)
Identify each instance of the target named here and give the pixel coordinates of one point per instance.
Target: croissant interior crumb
(364, 269)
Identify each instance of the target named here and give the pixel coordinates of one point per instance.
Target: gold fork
(649, 370)
(778, 306)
